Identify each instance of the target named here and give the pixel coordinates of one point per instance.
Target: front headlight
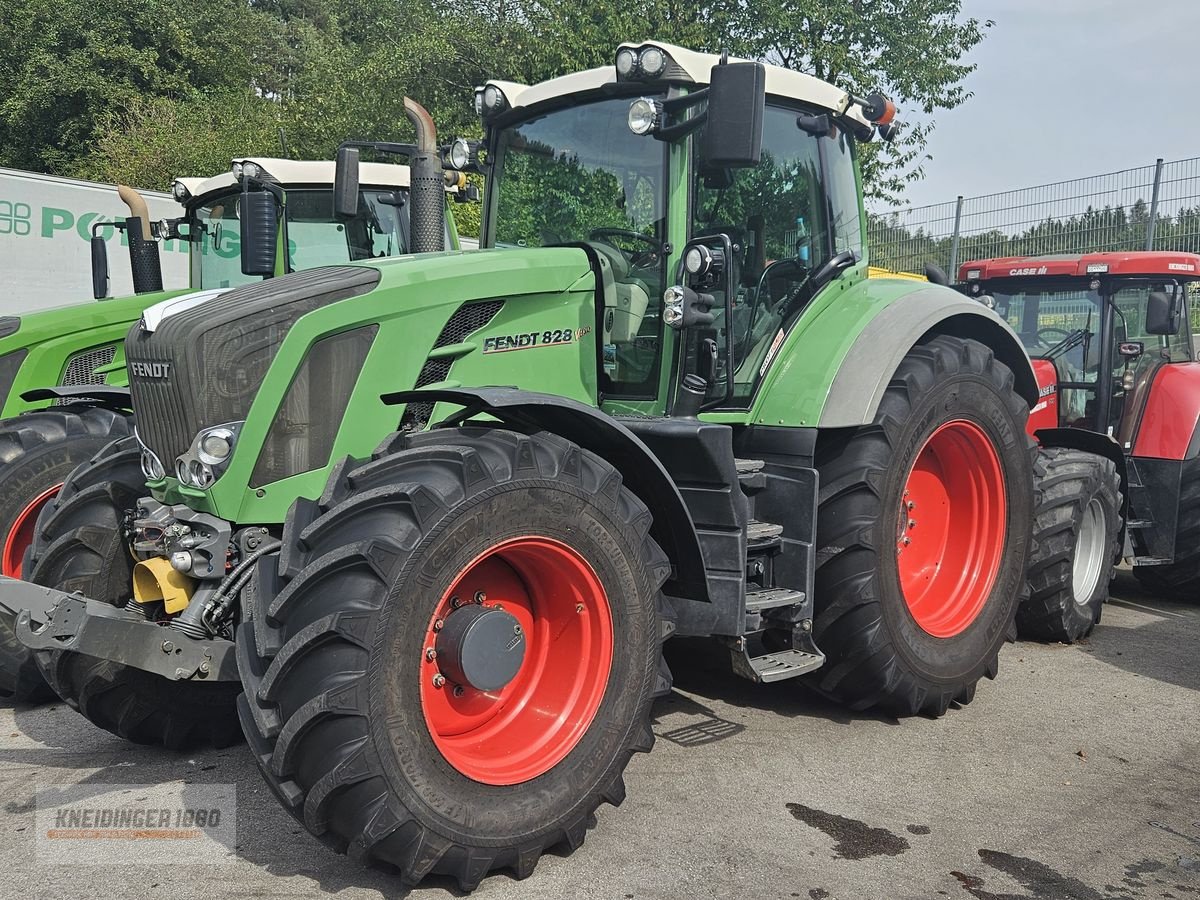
(208, 456)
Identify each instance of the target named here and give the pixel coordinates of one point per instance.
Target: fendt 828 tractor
(435, 516)
(1113, 351)
(63, 378)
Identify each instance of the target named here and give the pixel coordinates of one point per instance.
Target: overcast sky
(1068, 88)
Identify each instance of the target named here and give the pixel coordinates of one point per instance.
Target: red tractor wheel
(923, 530)
(456, 657)
(38, 451)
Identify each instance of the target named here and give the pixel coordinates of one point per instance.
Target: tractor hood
(284, 356)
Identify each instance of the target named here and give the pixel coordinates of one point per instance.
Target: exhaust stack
(143, 249)
(427, 191)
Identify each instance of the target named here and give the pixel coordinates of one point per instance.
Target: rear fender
(591, 429)
(864, 374)
(1099, 445)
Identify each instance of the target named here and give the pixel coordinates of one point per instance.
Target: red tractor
(1118, 421)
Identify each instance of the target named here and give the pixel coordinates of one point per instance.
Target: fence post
(954, 244)
(1158, 170)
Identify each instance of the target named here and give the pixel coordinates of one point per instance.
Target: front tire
(923, 527)
(38, 450)
(80, 546)
(1077, 524)
(365, 721)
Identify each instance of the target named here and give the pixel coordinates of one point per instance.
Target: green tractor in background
(434, 517)
(73, 357)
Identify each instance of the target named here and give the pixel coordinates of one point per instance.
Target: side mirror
(1162, 313)
(737, 97)
(99, 266)
(345, 183)
(259, 231)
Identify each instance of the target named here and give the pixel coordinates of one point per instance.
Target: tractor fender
(1170, 425)
(1097, 443)
(857, 388)
(102, 395)
(642, 472)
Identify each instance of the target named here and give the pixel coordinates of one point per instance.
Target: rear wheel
(37, 452)
(923, 534)
(1076, 527)
(1181, 579)
(80, 546)
(455, 659)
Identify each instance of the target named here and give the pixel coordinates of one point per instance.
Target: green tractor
(63, 379)
(434, 517)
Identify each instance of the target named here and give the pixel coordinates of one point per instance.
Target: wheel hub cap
(481, 648)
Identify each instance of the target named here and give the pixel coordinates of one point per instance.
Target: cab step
(750, 475)
(761, 534)
(774, 666)
(772, 598)
(1152, 561)
(1140, 523)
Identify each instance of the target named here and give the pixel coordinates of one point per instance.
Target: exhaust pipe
(427, 191)
(143, 249)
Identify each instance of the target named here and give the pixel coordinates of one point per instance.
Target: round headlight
(237, 171)
(181, 471)
(216, 446)
(653, 61)
(643, 115)
(697, 260)
(673, 315)
(251, 170)
(201, 475)
(479, 102)
(460, 153)
(493, 99)
(626, 60)
(180, 191)
(152, 467)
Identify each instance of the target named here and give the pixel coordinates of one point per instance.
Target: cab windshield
(315, 236)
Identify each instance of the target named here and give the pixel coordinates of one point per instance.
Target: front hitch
(49, 619)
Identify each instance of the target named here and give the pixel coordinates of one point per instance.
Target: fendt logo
(150, 369)
(15, 218)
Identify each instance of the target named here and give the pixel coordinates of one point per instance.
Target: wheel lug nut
(459, 690)
(578, 607)
(455, 603)
(480, 596)
(431, 654)
(439, 680)
(912, 523)
(437, 626)
(911, 505)
(516, 629)
(907, 541)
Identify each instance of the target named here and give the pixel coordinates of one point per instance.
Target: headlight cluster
(641, 63)
(207, 457)
(490, 101)
(248, 169)
(673, 298)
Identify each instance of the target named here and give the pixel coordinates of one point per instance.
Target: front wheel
(923, 530)
(456, 657)
(1075, 543)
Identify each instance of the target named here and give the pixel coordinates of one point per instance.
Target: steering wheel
(1062, 333)
(647, 259)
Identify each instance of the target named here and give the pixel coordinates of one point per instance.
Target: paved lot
(1075, 775)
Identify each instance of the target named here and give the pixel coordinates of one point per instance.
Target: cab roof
(685, 66)
(297, 172)
(1154, 262)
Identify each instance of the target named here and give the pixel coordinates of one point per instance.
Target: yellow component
(879, 272)
(455, 180)
(155, 579)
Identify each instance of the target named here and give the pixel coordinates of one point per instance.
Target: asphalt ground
(1076, 774)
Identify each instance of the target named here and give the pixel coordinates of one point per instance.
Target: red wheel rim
(528, 726)
(20, 535)
(950, 529)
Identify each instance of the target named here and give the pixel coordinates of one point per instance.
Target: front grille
(203, 366)
(467, 319)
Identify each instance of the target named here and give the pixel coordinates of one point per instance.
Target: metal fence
(1153, 207)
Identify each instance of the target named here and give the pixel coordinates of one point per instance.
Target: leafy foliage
(146, 90)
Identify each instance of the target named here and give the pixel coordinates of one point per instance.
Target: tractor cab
(1099, 327)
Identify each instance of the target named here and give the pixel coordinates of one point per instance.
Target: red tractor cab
(1118, 423)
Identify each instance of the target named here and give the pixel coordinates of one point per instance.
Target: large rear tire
(38, 450)
(1181, 579)
(1077, 524)
(80, 546)
(358, 701)
(923, 528)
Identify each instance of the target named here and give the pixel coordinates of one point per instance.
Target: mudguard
(1170, 425)
(103, 395)
(591, 429)
(863, 376)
